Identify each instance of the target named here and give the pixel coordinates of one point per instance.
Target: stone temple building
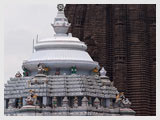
(122, 38)
(60, 78)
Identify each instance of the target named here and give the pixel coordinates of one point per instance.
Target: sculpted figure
(18, 74)
(25, 71)
(73, 70)
(75, 102)
(121, 101)
(31, 99)
(54, 102)
(42, 69)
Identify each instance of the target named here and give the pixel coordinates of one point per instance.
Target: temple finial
(60, 7)
(61, 23)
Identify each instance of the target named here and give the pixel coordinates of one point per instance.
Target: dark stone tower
(122, 38)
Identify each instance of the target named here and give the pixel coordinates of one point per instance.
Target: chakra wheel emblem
(60, 7)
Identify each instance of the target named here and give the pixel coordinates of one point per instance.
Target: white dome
(62, 54)
(61, 51)
(59, 38)
(57, 42)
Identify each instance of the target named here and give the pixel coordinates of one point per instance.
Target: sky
(22, 23)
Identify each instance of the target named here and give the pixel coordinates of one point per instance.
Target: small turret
(103, 72)
(84, 101)
(97, 103)
(104, 78)
(65, 102)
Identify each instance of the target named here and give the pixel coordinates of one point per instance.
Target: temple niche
(61, 79)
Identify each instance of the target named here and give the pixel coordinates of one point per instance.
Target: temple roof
(61, 55)
(62, 47)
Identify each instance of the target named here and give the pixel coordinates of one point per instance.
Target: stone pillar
(108, 102)
(5, 103)
(90, 101)
(54, 102)
(23, 101)
(45, 101)
(19, 102)
(111, 102)
(102, 102)
(75, 102)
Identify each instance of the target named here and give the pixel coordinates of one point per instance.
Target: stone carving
(42, 69)
(75, 102)
(103, 72)
(31, 99)
(90, 101)
(94, 53)
(112, 83)
(112, 43)
(18, 74)
(57, 84)
(73, 70)
(92, 46)
(54, 101)
(19, 102)
(121, 101)
(25, 71)
(95, 71)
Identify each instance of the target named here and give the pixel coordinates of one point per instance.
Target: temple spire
(61, 23)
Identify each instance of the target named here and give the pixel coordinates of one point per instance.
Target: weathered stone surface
(122, 38)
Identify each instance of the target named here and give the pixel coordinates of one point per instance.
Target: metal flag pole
(37, 39)
(33, 46)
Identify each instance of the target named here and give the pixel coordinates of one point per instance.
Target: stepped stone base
(95, 97)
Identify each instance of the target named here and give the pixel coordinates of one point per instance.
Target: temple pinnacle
(60, 7)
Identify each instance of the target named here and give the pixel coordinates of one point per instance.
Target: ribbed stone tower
(61, 78)
(122, 38)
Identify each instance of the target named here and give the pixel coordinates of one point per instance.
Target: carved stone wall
(122, 38)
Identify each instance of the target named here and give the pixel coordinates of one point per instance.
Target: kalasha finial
(60, 24)
(60, 7)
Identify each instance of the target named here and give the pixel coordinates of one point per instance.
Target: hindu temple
(61, 79)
